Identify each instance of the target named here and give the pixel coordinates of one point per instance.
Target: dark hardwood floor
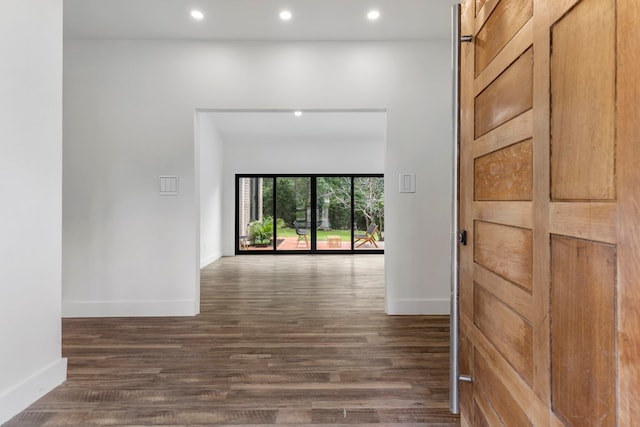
(282, 340)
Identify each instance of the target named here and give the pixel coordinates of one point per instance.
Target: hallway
(297, 340)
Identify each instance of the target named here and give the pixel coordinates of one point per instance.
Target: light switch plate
(168, 185)
(407, 182)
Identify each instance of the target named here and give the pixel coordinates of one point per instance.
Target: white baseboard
(408, 306)
(19, 397)
(209, 259)
(129, 308)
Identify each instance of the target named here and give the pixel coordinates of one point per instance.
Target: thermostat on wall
(407, 182)
(168, 185)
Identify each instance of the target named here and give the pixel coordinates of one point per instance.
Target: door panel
(506, 251)
(484, 416)
(505, 174)
(549, 289)
(479, 4)
(583, 121)
(505, 21)
(507, 331)
(583, 294)
(508, 96)
(515, 297)
(500, 398)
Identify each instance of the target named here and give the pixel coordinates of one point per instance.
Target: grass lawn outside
(321, 235)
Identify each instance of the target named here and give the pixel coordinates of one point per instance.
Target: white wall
(209, 158)
(312, 157)
(129, 118)
(31, 188)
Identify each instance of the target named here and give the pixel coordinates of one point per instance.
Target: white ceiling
(257, 19)
(311, 127)
(328, 20)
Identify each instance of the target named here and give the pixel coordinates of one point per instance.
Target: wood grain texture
(484, 12)
(466, 368)
(480, 4)
(505, 174)
(485, 416)
(558, 8)
(465, 220)
(466, 161)
(491, 385)
(509, 53)
(516, 214)
(537, 411)
(505, 21)
(628, 223)
(541, 191)
(506, 330)
(299, 340)
(504, 250)
(608, 219)
(523, 407)
(591, 221)
(583, 103)
(583, 350)
(506, 97)
(513, 296)
(516, 129)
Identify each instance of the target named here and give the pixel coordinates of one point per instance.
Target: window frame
(313, 250)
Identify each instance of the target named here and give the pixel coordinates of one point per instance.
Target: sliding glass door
(254, 224)
(309, 213)
(334, 213)
(368, 212)
(293, 213)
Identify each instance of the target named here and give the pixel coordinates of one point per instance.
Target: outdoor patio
(293, 244)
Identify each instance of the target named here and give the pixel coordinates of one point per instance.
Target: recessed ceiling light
(297, 113)
(196, 14)
(373, 15)
(285, 15)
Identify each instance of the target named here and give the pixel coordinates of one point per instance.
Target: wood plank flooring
(282, 340)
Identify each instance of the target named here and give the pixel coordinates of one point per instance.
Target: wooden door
(550, 197)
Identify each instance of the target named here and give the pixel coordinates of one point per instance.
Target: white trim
(412, 306)
(196, 189)
(129, 308)
(19, 397)
(211, 258)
